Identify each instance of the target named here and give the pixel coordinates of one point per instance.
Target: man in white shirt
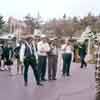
(43, 48)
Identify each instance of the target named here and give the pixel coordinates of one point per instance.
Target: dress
(8, 54)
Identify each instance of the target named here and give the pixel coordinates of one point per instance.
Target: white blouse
(66, 49)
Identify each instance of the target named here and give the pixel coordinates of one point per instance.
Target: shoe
(63, 74)
(2, 69)
(25, 84)
(49, 78)
(6, 69)
(43, 80)
(81, 67)
(67, 74)
(39, 84)
(86, 65)
(54, 79)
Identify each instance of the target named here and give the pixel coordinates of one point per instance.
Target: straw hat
(43, 36)
(52, 39)
(28, 37)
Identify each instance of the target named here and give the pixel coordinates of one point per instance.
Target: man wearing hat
(43, 49)
(27, 57)
(52, 59)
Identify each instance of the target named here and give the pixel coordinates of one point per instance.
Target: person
(16, 54)
(82, 54)
(27, 59)
(97, 71)
(43, 48)
(52, 60)
(67, 57)
(74, 51)
(34, 43)
(1, 58)
(8, 55)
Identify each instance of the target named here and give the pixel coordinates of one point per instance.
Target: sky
(48, 9)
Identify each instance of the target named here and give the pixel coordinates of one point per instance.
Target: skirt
(8, 62)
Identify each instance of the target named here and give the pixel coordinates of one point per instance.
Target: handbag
(88, 58)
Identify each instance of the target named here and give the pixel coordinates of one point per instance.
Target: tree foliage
(70, 26)
(31, 23)
(1, 22)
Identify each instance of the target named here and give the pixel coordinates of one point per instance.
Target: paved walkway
(79, 86)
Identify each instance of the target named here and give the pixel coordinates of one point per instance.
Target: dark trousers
(52, 66)
(66, 63)
(27, 62)
(42, 60)
(83, 61)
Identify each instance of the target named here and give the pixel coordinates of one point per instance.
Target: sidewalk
(79, 86)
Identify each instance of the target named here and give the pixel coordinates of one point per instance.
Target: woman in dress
(8, 54)
(67, 57)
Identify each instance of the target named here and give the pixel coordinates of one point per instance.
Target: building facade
(19, 27)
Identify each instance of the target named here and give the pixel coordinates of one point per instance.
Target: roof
(7, 36)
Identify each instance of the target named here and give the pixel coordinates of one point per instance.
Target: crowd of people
(37, 55)
(42, 53)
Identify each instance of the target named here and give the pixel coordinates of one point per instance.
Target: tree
(31, 23)
(5, 28)
(1, 22)
(70, 26)
(89, 20)
(64, 16)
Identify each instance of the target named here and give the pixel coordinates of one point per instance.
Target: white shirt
(66, 49)
(43, 48)
(22, 50)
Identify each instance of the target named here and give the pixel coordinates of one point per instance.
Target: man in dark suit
(27, 57)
